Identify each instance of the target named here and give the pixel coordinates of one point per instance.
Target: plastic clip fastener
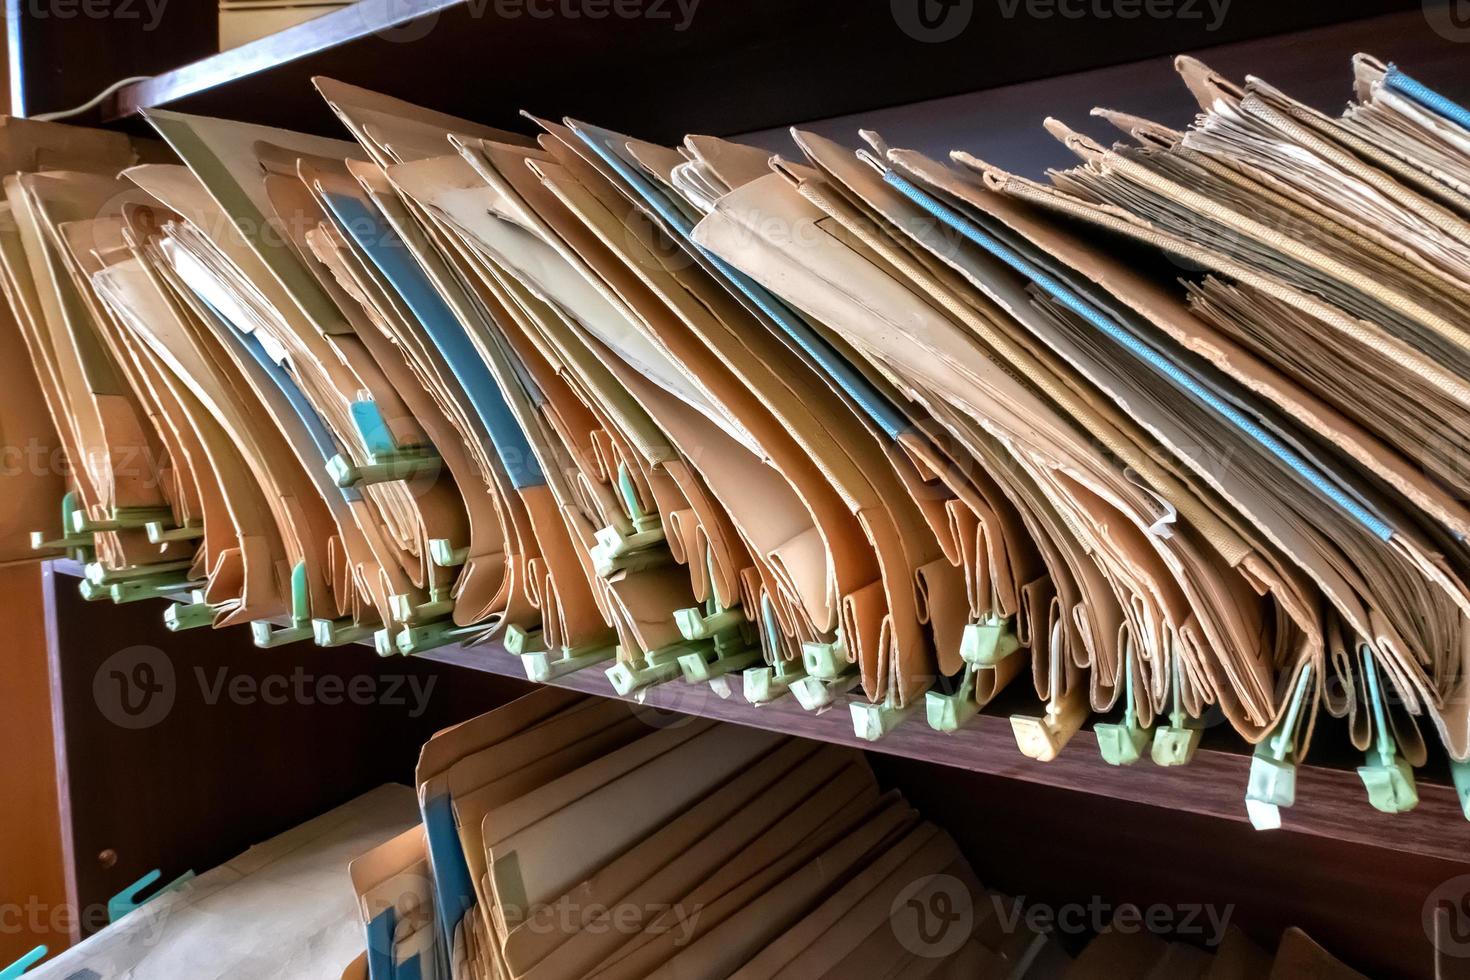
(1272, 782)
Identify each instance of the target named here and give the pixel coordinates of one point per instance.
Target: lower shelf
(1330, 800)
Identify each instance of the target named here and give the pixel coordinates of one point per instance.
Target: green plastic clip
(160, 587)
(616, 552)
(763, 685)
(982, 646)
(387, 461)
(1273, 767)
(1122, 744)
(826, 661)
(437, 608)
(542, 666)
(1387, 776)
(519, 642)
(382, 469)
(191, 615)
(699, 624)
(657, 667)
(69, 540)
(1176, 742)
(267, 635)
(20, 966)
(126, 901)
(1461, 773)
(339, 632)
(423, 637)
(950, 712)
(724, 655)
(383, 643)
(871, 722)
(92, 592)
(97, 574)
(445, 555)
(122, 519)
(723, 628)
(161, 533)
(988, 642)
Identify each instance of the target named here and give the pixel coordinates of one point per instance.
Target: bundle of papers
(1177, 432)
(564, 837)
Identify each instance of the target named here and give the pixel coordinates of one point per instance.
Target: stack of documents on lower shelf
(243, 21)
(564, 837)
(1178, 433)
(280, 910)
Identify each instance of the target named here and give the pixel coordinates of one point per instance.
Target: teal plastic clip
(267, 635)
(1273, 767)
(445, 555)
(194, 614)
(982, 646)
(20, 966)
(1387, 776)
(387, 461)
(1176, 742)
(763, 685)
(1122, 744)
(871, 721)
(126, 901)
(1461, 773)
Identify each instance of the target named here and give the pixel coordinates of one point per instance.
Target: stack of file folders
(1178, 433)
(564, 837)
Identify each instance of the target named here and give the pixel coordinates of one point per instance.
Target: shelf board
(1331, 801)
(717, 66)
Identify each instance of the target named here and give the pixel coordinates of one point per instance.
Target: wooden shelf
(1331, 802)
(733, 66)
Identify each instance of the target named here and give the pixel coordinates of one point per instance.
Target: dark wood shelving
(1331, 802)
(733, 66)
